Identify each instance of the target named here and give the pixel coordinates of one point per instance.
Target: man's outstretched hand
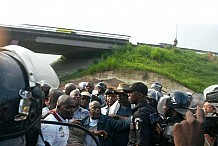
(190, 132)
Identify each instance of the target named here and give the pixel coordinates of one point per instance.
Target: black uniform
(167, 139)
(142, 122)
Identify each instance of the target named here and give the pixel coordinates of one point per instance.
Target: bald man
(57, 135)
(69, 87)
(102, 126)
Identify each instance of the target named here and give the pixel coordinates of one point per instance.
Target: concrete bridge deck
(63, 41)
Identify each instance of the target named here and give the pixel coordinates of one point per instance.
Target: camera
(212, 125)
(212, 118)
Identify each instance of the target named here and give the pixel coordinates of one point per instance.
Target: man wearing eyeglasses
(85, 99)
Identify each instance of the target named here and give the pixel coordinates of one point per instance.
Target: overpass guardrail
(69, 31)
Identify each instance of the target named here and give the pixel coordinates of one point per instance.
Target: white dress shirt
(55, 135)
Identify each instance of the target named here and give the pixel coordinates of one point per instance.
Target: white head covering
(38, 69)
(161, 104)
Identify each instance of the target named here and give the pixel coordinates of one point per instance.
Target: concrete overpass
(62, 41)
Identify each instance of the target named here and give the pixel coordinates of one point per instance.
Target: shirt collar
(141, 104)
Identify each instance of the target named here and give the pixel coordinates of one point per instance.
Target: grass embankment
(188, 68)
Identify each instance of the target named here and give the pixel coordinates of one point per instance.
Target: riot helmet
(154, 94)
(161, 103)
(101, 86)
(179, 101)
(152, 98)
(82, 86)
(22, 72)
(20, 104)
(156, 86)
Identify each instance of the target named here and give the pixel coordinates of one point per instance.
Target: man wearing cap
(110, 98)
(85, 99)
(144, 116)
(121, 107)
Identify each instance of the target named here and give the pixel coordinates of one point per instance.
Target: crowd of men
(125, 115)
(130, 115)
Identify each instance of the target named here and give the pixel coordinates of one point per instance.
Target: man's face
(208, 108)
(168, 111)
(95, 111)
(111, 98)
(66, 110)
(51, 103)
(122, 97)
(85, 101)
(134, 96)
(89, 87)
(46, 89)
(77, 98)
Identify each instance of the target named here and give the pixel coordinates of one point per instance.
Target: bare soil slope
(113, 78)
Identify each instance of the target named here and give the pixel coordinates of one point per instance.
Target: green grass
(188, 68)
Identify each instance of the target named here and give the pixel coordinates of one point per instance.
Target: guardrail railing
(69, 31)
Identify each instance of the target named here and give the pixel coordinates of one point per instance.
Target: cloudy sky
(146, 21)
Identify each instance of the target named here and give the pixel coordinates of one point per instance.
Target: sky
(193, 22)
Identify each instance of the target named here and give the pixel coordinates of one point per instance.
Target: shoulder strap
(56, 115)
(43, 117)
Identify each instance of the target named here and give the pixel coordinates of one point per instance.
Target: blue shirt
(80, 114)
(124, 111)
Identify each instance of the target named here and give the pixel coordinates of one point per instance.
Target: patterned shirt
(80, 114)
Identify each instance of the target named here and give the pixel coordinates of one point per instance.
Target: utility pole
(175, 42)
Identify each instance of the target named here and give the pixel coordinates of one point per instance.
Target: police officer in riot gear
(144, 116)
(152, 98)
(21, 95)
(157, 87)
(20, 104)
(175, 109)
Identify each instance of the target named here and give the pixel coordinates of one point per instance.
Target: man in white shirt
(57, 135)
